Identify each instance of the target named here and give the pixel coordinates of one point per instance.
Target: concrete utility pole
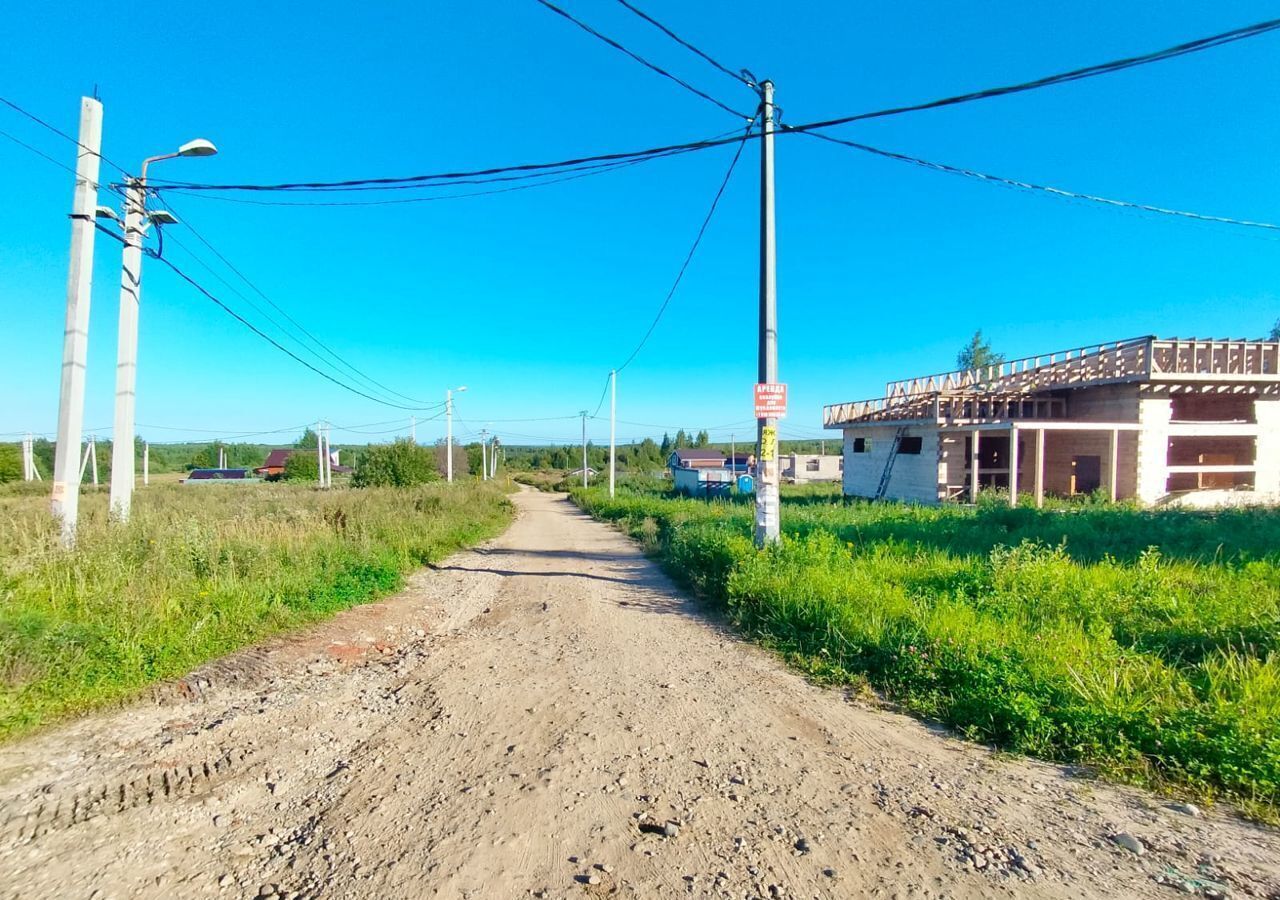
(484, 457)
(320, 453)
(146, 463)
(65, 499)
(93, 458)
(584, 448)
(767, 502)
(613, 424)
(27, 466)
(448, 441)
(137, 220)
(733, 455)
(328, 457)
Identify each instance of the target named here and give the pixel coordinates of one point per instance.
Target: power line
(62, 134)
(255, 329)
(1030, 186)
(1207, 43)
(640, 59)
(367, 379)
(692, 249)
(737, 76)
(694, 146)
(578, 173)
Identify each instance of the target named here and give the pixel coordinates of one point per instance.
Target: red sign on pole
(771, 401)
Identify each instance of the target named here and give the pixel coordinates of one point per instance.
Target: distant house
(704, 481)
(741, 463)
(803, 468)
(274, 465)
(695, 459)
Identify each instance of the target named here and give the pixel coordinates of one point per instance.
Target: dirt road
(547, 716)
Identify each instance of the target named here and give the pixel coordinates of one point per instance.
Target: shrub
(400, 464)
(301, 467)
(10, 463)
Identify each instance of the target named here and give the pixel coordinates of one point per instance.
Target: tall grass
(1145, 643)
(198, 572)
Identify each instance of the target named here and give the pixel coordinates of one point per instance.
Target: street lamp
(448, 418)
(137, 221)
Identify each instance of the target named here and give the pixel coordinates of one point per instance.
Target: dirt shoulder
(547, 715)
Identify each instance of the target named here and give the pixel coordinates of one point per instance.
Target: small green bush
(302, 467)
(10, 462)
(399, 464)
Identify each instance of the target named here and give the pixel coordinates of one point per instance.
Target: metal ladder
(888, 463)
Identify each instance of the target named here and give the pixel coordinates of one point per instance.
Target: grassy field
(198, 572)
(1146, 644)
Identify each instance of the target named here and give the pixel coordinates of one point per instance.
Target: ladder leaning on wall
(888, 463)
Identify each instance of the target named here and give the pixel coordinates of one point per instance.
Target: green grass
(1144, 643)
(198, 572)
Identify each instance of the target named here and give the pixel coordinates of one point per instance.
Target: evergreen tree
(977, 354)
(703, 439)
(308, 441)
(682, 440)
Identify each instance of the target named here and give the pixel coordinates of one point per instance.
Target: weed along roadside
(1144, 644)
(197, 573)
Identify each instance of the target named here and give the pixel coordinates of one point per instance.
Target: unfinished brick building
(1143, 418)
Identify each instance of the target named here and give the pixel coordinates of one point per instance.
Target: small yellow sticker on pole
(768, 443)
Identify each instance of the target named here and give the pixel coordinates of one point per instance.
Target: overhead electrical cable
(62, 134)
(737, 76)
(1030, 186)
(329, 351)
(694, 146)
(258, 331)
(640, 59)
(1207, 43)
(578, 173)
(702, 230)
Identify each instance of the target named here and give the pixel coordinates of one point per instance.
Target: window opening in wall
(910, 445)
(861, 445)
(811, 465)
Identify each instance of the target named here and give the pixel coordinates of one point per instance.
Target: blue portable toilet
(746, 484)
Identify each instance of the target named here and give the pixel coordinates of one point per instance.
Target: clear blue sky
(530, 297)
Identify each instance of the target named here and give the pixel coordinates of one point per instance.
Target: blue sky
(531, 297)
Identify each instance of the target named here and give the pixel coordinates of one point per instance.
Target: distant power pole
(93, 458)
(767, 501)
(733, 455)
(484, 457)
(584, 448)
(28, 465)
(493, 457)
(613, 424)
(320, 453)
(65, 500)
(413, 429)
(146, 463)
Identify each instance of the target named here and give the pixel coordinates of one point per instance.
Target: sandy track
(527, 720)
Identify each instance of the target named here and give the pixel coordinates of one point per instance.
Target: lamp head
(162, 217)
(106, 212)
(460, 390)
(198, 147)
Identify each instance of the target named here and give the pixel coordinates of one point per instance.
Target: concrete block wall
(914, 477)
